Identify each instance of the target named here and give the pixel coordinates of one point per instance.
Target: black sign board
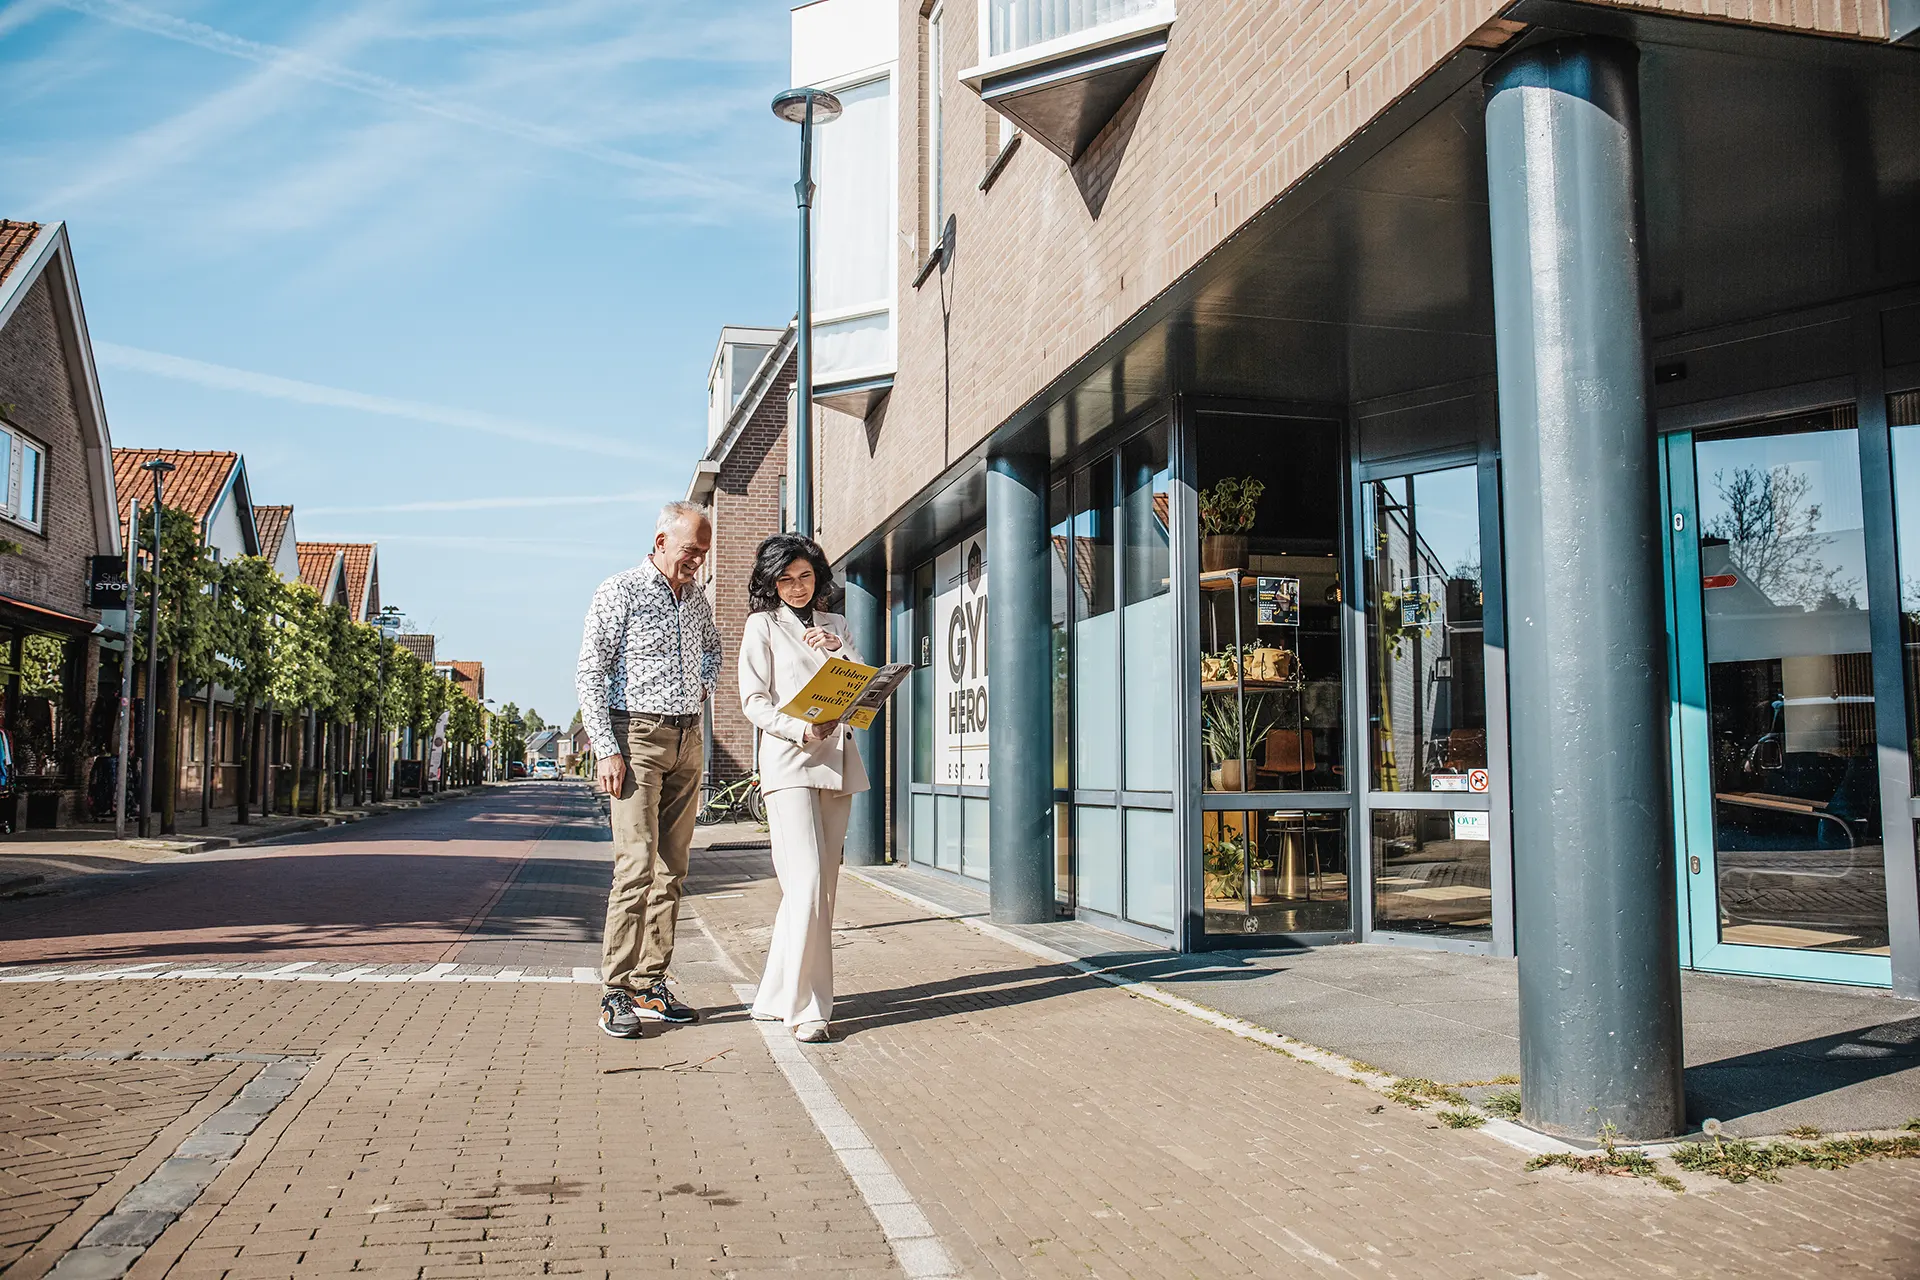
(106, 582)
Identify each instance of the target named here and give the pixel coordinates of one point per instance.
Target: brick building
(1358, 410)
(57, 697)
(742, 479)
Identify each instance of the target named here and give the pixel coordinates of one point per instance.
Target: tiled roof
(360, 558)
(470, 678)
(271, 522)
(420, 646)
(14, 239)
(194, 485)
(317, 561)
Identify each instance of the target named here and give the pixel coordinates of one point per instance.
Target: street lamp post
(158, 468)
(125, 731)
(806, 108)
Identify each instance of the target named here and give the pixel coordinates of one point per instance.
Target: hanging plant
(1230, 505)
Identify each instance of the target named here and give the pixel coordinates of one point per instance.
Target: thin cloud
(220, 377)
(550, 548)
(490, 504)
(689, 180)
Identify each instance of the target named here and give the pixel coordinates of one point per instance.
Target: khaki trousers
(809, 829)
(652, 831)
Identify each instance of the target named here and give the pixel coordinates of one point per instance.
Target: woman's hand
(822, 639)
(818, 732)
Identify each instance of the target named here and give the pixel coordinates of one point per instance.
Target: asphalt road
(513, 873)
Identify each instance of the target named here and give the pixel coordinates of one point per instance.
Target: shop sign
(106, 582)
(1449, 782)
(1469, 825)
(960, 664)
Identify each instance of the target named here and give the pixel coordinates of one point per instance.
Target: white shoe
(812, 1033)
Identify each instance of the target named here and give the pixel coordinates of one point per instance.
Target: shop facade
(1264, 550)
(58, 684)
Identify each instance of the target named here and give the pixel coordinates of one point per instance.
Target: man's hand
(613, 774)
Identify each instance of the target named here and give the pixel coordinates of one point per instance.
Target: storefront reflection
(1432, 872)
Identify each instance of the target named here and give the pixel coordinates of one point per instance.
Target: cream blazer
(776, 663)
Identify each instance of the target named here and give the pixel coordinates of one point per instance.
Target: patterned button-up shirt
(644, 650)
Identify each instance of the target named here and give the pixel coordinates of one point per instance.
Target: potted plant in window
(1227, 513)
(1230, 752)
(1224, 864)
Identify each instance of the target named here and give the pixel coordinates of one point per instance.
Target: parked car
(545, 769)
(517, 769)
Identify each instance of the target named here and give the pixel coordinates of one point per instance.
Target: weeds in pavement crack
(1616, 1164)
(1416, 1092)
(1463, 1119)
(1505, 1104)
(1740, 1160)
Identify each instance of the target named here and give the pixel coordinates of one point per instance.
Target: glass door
(1782, 862)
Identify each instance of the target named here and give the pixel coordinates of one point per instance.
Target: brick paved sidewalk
(1051, 1125)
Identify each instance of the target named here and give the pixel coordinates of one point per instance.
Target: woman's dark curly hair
(772, 559)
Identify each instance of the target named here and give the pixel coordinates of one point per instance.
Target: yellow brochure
(843, 690)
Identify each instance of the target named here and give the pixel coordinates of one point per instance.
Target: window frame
(1162, 15)
(19, 445)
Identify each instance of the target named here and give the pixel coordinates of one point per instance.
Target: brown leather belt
(686, 721)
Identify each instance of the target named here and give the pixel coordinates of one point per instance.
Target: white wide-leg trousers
(809, 831)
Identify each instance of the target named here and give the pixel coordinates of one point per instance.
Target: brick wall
(1250, 96)
(746, 508)
(34, 383)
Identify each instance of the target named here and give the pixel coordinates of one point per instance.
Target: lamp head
(159, 465)
(791, 106)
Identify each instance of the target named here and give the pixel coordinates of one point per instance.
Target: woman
(809, 773)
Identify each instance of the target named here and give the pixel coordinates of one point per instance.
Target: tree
(245, 629)
(575, 725)
(187, 575)
(534, 723)
(1772, 535)
(302, 677)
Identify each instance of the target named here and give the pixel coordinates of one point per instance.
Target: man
(648, 662)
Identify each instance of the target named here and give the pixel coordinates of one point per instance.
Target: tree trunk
(267, 741)
(293, 795)
(168, 768)
(243, 755)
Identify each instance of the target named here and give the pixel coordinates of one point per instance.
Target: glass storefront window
(1061, 525)
(1096, 650)
(1797, 837)
(1148, 631)
(1270, 613)
(1432, 872)
(1903, 415)
(1274, 871)
(1426, 664)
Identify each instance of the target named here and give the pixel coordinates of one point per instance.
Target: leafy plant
(1222, 732)
(1609, 1163)
(1416, 1092)
(1230, 505)
(1463, 1119)
(1223, 861)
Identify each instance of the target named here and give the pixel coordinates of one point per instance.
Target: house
(420, 646)
(1327, 419)
(210, 485)
(57, 499)
(360, 563)
(742, 479)
(469, 678)
(323, 567)
(544, 745)
(279, 545)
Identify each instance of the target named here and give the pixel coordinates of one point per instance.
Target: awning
(33, 617)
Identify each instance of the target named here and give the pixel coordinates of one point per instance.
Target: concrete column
(867, 619)
(1020, 698)
(1595, 919)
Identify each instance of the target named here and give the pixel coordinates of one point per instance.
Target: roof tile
(194, 485)
(15, 237)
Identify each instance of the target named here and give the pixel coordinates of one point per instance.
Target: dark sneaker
(619, 1015)
(657, 1003)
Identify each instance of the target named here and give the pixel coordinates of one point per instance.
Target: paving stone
(102, 1262)
(129, 1227)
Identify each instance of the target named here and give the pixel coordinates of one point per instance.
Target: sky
(449, 273)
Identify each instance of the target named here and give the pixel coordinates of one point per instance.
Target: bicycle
(736, 799)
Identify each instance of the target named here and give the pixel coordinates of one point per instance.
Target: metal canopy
(1782, 173)
(1064, 104)
(855, 398)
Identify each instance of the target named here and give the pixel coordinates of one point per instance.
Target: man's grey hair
(674, 512)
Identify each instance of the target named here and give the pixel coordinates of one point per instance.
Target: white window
(852, 236)
(23, 472)
(1016, 25)
(936, 129)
